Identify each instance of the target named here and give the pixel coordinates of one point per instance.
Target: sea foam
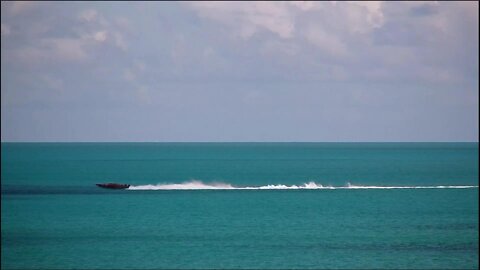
(199, 185)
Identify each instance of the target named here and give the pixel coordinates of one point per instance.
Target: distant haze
(239, 71)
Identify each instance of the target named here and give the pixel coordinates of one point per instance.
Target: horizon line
(239, 141)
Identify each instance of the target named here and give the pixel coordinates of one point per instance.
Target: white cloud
(18, 7)
(51, 50)
(100, 36)
(93, 18)
(89, 15)
(374, 12)
(304, 5)
(250, 17)
(120, 41)
(372, 39)
(320, 40)
(68, 49)
(102, 30)
(281, 18)
(316, 22)
(77, 42)
(329, 43)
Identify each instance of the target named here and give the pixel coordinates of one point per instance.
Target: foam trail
(350, 186)
(199, 185)
(192, 185)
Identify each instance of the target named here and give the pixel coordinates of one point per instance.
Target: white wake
(199, 185)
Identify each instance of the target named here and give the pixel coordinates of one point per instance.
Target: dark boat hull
(113, 186)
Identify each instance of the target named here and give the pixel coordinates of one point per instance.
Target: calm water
(53, 215)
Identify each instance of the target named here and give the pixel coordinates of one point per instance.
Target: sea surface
(240, 206)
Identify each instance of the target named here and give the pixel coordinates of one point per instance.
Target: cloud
(53, 39)
(119, 41)
(100, 36)
(281, 18)
(301, 40)
(374, 12)
(68, 49)
(100, 29)
(408, 40)
(298, 24)
(50, 50)
(19, 7)
(89, 15)
(249, 18)
(243, 66)
(328, 43)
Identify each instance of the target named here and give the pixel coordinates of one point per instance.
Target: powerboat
(113, 185)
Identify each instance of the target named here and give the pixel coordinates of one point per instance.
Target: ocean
(240, 206)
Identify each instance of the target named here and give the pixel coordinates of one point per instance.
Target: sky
(239, 71)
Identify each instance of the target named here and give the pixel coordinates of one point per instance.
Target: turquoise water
(361, 209)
